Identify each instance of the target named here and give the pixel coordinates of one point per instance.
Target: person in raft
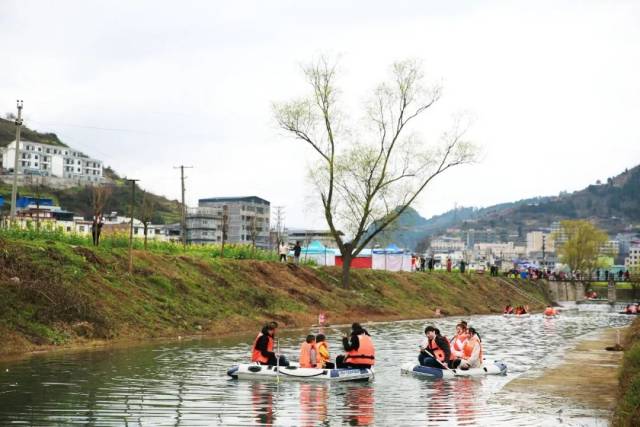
(472, 352)
(458, 342)
(508, 309)
(359, 348)
(434, 350)
(550, 311)
(309, 353)
(262, 350)
(323, 352)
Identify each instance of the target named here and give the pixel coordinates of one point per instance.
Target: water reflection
(185, 383)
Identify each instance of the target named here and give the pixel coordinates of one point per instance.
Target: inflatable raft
(517, 316)
(495, 368)
(295, 373)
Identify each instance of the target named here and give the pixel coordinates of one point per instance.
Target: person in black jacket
(352, 343)
(263, 345)
(435, 349)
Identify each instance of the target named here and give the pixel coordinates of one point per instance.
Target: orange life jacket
(470, 345)
(319, 357)
(256, 355)
(436, 350)
(365, 354)
(549, 311)
(457, 344)
(305, 354)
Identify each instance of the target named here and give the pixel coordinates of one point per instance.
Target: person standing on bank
(262, 350)
(283, 250)
(435, 350)
(359, 348)
(297, 249)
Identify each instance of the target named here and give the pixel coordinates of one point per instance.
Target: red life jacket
(457, 345)
(256, 355)
(365, 354)
(470, 345)
(436, 350)
(305, 354)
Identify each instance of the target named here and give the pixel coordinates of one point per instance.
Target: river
(184, 382)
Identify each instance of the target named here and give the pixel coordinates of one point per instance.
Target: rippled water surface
(185, 383)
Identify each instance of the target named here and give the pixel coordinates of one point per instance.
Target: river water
(185, 383)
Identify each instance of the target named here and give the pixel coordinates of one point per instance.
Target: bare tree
(253, 231)
(146, 214)
(100, 195)
(367, 177)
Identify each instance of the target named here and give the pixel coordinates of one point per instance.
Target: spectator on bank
(449, 265)
(297, 250)
(430, 264)
(283, 250)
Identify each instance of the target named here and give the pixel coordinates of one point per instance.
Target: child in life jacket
(472, 352)
(308, 353)
(323, 352)
(458, 342)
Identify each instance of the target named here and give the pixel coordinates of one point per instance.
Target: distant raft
(295, 373)
(495, 368)
(516, 316)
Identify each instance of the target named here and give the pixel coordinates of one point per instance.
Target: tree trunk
(346, 270)
(146, 228)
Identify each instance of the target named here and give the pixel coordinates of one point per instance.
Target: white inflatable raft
(295, 373)
(517, 316)
(495, 368)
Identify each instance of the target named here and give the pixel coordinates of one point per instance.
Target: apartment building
(46, 160)
(246, 219)
(537, 240)
(447, 244)
(632, 262)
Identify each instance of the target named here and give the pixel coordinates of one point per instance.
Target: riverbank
(627, 411)
(585, 381)
(53, 295)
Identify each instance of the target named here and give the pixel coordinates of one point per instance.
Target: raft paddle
(277, 361)
(455, 374)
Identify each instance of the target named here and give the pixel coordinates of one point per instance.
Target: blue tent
(315, 248)
(391, 249)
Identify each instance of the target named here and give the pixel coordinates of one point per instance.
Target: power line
(183, 217)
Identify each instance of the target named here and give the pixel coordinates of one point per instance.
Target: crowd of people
(517, 310)
(463, 351)
(314, 351)
(632, 308)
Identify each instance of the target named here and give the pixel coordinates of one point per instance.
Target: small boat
(624, 312)
(517, 315)
(295, 373)
(495, 368)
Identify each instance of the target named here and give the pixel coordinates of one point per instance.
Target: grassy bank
(53, 293)
(627, 411)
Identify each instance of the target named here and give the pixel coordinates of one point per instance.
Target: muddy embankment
(54, 295)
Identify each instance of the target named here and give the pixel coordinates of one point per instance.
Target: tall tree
(579, 243)
(100, 195)
(367, 176)
(146, 214)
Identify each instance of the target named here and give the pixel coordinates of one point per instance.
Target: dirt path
(586, 378)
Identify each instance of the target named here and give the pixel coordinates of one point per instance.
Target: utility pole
(14, 190)
(133, 199)
(183, 216)
(279, 222)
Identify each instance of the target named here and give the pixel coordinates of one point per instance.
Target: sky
(146, 86)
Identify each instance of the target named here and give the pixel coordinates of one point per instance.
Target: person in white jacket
(283, 250)
(472, 352)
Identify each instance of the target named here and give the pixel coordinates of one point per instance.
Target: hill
(613, 206)
(53, 293)
(8, 134)
(79, 199)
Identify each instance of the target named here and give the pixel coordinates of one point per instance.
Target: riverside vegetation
(57, 290)
(627, 412)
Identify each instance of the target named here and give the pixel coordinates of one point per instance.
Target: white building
(447, 244)
(632, 262)
(499, 251)
(46, 160)
(537, 239)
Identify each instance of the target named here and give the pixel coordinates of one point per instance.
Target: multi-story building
(37, 159)
(447, 244)
(499, 251)
(246, 220)
(539, 241)
(632, 262)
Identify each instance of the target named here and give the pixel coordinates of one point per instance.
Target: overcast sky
(553, 86)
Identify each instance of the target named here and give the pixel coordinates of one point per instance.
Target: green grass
(627, 412)
(69, 291)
